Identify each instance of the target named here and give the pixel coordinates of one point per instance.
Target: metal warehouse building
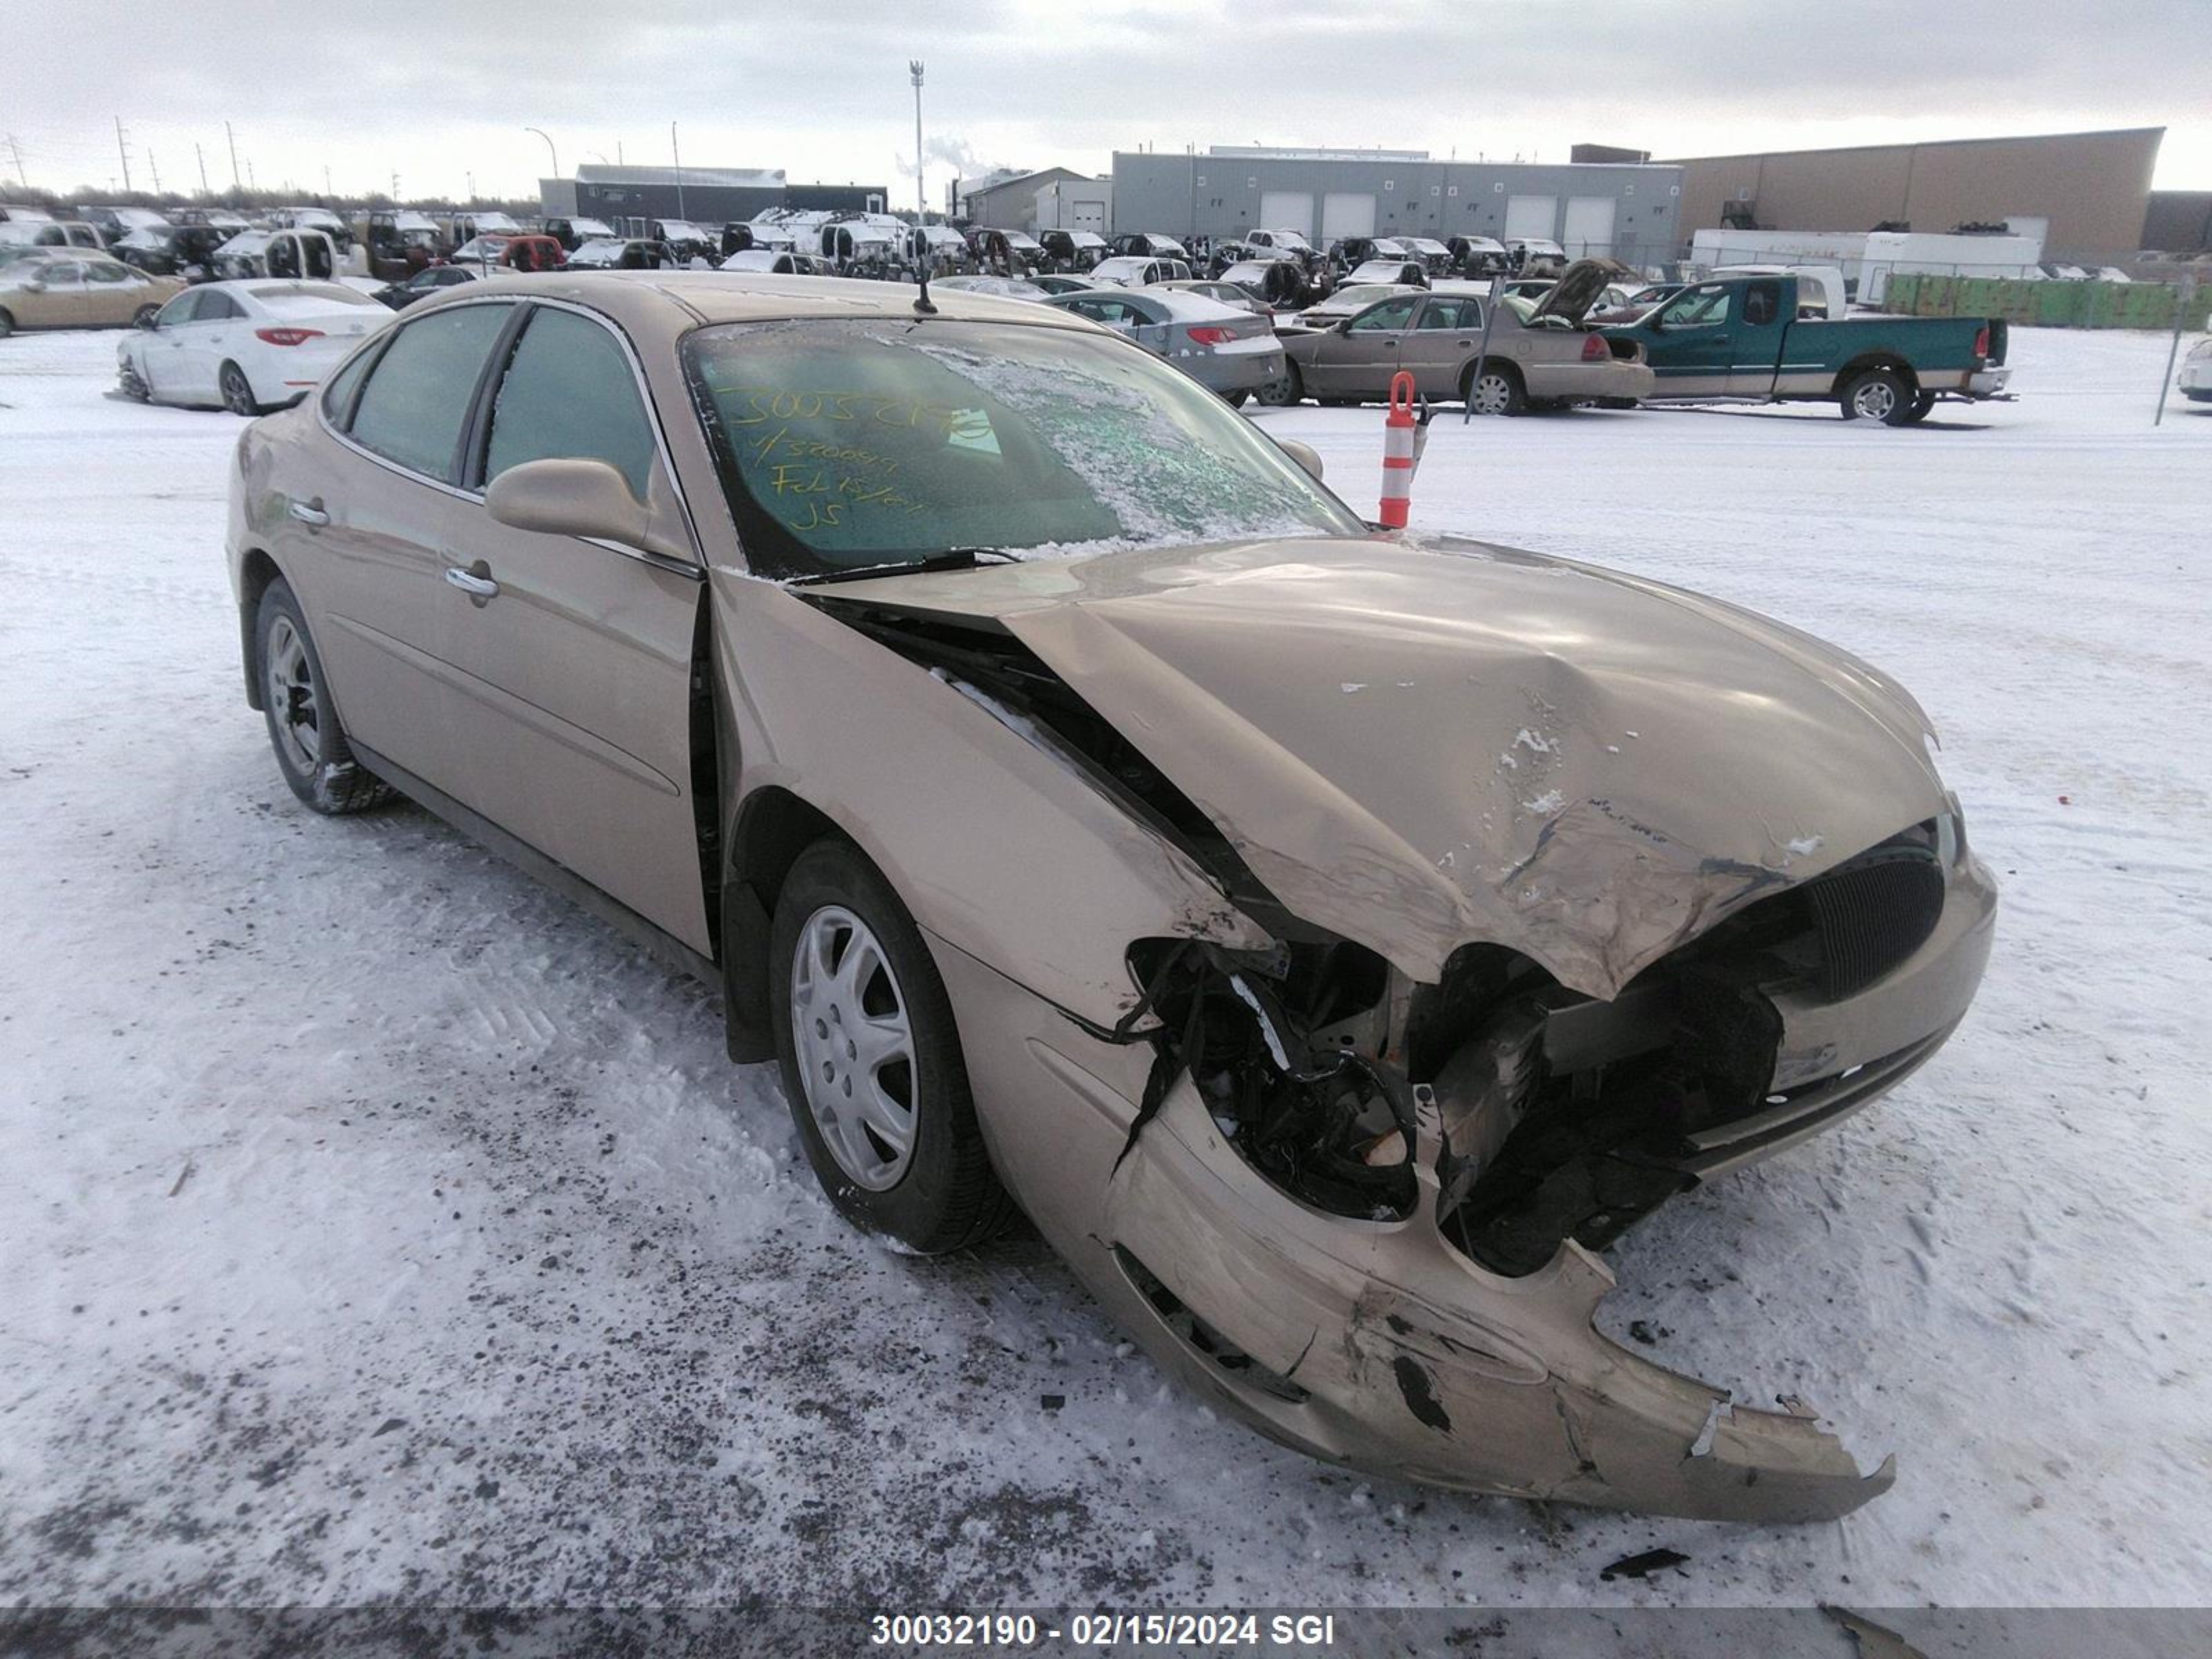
(1627, 211)
(706, 196)
(2087, 193)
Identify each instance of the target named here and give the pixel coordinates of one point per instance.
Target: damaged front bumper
(1383, 1344)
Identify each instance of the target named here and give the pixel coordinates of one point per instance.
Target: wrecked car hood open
(1418, 743)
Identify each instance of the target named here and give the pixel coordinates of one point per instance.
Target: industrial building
(706, 196)
(2085, 193)
(1012, 200)
(1627, 211)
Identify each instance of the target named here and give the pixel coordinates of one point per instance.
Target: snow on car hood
(1418, 744)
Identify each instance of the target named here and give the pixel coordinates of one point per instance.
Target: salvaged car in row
(68, 288)
(1230, 349)
(245, 346)
(1330, 939)
(1534, 355)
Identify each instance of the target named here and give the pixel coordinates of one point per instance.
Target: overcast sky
(438, 91)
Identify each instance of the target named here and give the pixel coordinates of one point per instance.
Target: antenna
(921, 302)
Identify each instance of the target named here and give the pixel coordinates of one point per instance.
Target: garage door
(1531, 216)
(1343, 214)
(1589, 227)
(1287, 209)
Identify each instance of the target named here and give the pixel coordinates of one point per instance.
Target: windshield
(853, 445)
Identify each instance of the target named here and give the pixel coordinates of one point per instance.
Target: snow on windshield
(855, 446)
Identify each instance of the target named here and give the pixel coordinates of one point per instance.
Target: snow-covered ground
(375, 1225)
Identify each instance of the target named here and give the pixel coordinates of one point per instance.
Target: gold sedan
(70, 288)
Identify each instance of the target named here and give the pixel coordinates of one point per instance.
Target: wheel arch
(1877, 357)
(772, 827)
(256, 570)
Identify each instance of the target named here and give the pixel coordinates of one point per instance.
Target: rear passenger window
(417, 400)
(570, 394)
(339, 392)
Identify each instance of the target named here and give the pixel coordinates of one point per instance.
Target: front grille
(1874, 912)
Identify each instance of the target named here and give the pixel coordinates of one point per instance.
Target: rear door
(1687, 341)
(212, 338)
(577, 670)
(368, 532)
(1446, 336)
(61, 302)
(1359, 362)
(1762, 323)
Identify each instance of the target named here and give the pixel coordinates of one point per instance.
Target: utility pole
(395, 189)
(327, 190)
(200, 155)
(233, 138)
(154, 167)
(921, 194)
(678, 157)
(16, 150)
(123, 150)
(251, 183)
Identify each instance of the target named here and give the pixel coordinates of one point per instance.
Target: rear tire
(1236, 399)
(900, 1154)
(237, 391)
(1877, 394)
(1495, 390)
(1286, 392)
(310, 745)
(1919, 409)
(7, 324)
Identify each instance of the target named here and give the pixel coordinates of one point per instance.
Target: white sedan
(2196, 375)
(245, 346)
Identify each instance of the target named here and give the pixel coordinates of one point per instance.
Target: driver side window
(180, 309)
(1698, 307)
(1390, 314)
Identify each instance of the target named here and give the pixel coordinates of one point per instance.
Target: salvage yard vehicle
(1478, 256)
(308, 254)
(114, 223)
(52, 233)
(1538, 355)
(423, 283)
(1233, 296)
(1228, 350)
(2195, 380)
(1148, 245)
(1348, 302)
(1133, 272)
(1330, 939)
(185, 250)
(1534, 256)
(619, 253)
(68, 288)
(573, 233)
(400, 243)
(1072, 251)
(1396, 273)
(245, 346)
(1738, 339)
(512, 250)
(1005, 287)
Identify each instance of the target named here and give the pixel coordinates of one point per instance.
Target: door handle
(475, 582)
(309, 512)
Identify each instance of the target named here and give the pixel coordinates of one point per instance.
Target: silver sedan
(1230, 351)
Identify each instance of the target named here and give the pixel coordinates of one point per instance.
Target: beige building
(2090, 189)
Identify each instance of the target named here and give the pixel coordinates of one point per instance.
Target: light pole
(549, 150)
(920, 195)
(676, 156)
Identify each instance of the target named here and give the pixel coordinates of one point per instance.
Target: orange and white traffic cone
(1400, 450)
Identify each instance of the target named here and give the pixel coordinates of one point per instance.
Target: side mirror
(578, 498)
(1304, 454)
(148, 320)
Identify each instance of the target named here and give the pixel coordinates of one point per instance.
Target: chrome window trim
(695, 568)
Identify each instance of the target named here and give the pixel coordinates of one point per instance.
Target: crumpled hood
(1419, 743)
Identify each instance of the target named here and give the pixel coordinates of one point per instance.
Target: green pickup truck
(1768, 338)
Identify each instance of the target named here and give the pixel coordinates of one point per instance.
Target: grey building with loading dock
(1628, 210)
(705, 196)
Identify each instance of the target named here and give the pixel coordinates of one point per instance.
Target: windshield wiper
(953, 558)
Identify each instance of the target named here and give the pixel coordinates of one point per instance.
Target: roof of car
(666, 303)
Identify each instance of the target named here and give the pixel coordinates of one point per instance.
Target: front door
(1755, 353)
(577, 667)
(1359, 362)
(1687, 342)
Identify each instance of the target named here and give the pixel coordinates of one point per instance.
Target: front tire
(872, 1061)
(132, 386)
(310, 743)
(237, 391)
